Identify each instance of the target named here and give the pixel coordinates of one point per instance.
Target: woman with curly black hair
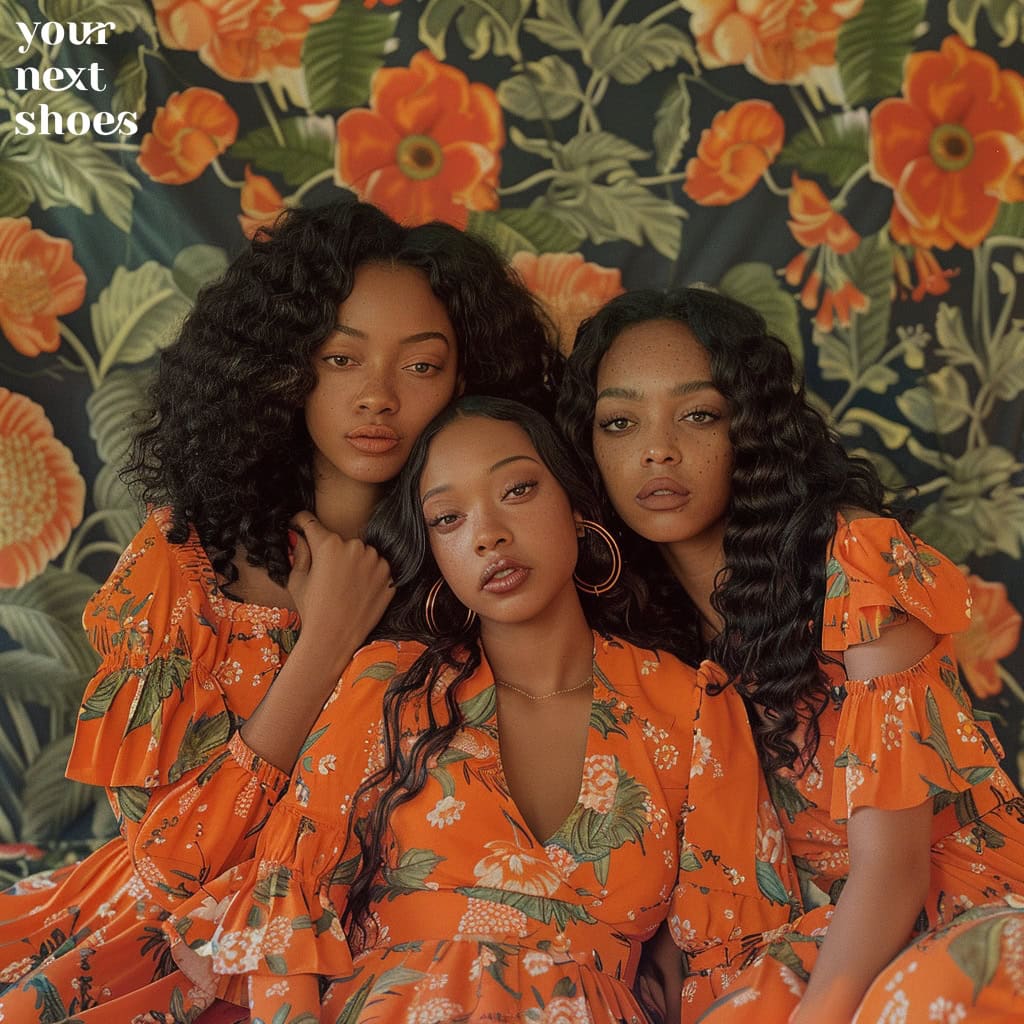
(484, 827)
(844, 799)
(291, 397)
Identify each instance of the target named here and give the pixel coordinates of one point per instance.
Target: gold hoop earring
(430, 604)
(616, 570)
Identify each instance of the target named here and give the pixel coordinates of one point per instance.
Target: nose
(662, 451)
(378, 395)
(490, 535)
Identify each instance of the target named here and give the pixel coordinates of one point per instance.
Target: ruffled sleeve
(736, 878)
(878, 575)
(262, 933)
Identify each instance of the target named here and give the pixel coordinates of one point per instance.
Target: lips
(503, 576)
(373, 439)
(662, 494)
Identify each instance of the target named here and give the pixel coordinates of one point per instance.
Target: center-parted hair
(225, 442)
(398, 530)
(790, 476)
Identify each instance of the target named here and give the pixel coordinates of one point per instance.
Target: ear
(460, 386)
(578, 520)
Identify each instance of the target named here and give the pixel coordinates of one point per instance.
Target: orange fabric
(473, 918)
(181, 667)
(889, 742)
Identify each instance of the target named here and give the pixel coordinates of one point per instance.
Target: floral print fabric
(473, 918)
(890, 742)
(181, 667)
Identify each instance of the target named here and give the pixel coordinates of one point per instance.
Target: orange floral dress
(473, 918)
(769, 876)
(182, 666)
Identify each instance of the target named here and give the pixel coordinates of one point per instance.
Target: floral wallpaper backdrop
(854, 168)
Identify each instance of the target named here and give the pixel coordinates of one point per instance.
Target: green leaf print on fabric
(837, 147)
(978, 952)
(483, 27)
(873, 46)
(839, 582)
(277, 883)
(532, 230)
(769, 882)
(300, 148)
(787, 797)
(546, 89)
(158, 680)
(539, 908)
(132, 801)
(410, 875)
(202, 736)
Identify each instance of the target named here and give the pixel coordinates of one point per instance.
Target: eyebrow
(501, 462)
(632, 395)
(354, 332)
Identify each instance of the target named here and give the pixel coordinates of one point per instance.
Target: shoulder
(645, 677)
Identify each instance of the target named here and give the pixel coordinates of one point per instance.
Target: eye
(422, 369)
(702, 416)
(519, 490)
(442, 520)
(339, 360)
(615, 424)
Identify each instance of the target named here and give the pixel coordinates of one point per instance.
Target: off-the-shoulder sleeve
(879, 574)
(736, 878)
(149, 693)
(262, 933)
(910, 736)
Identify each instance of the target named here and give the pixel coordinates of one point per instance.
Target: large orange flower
(42, 493)
(39, 281)
(734, 152)
(189, 132)
(777, 40)
(429, 146)
(993, 634)
(243, 41)
(569, 288)
(947, 148)
(260, 203)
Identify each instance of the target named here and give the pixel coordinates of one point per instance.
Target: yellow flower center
(419, 157)
(951, 147)
(24, 288)
(29, 490)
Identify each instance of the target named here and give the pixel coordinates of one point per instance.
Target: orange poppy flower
(734, 152)
(947, 148)
(39, 281)
(189, 132)
(994, 633)
(429, 146)
(242, 42)
(777, 41)
(813, 220)
(260, 203)
(569, 288)
(44, 493)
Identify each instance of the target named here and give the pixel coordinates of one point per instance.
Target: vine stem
(268, 113)
(75, 344)
(309, 184)
(662, 179)
(933, 485)
(124, 147)
(661, 12)
(773, 185)
(70, 554)
(801, 105)
(840, 407)
(224, 179)
(528, 183)
(1010, 682)
(840, 200)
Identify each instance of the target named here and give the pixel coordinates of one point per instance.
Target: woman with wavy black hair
(844, 799)
(484, 826)
(291, 397)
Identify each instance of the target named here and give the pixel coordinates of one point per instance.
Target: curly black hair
(790, 476)
(398, 531)
(225, 443)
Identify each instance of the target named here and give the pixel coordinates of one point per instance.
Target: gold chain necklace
(589, 681)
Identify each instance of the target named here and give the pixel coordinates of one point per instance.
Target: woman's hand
(341, 589)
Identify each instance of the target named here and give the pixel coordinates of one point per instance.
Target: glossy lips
(662, 495)
(503, 576)
(373, 439)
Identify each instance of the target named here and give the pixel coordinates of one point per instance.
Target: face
(661, 435)
(388, 367)
(501, 528)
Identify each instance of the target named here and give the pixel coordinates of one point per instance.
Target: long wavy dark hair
(790, 476)
(224, 442)
(398, 531)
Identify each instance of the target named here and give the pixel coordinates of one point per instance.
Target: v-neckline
(587, 752)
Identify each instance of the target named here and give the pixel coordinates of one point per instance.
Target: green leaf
(305, 147)
(842, 151)
(769, 883)
(954, 345)
(537, 908)
(136, 315)
(202, 737)
(599, 152)
(758, 285)
(196, 266)
(1005, 16)
(546, 89)
(161, 677)
(978, 951)
(532, 230)
(275, 885)
(689, 861)
(478, 710)
(40, 679)
(484, 26)
(112, 408)
(133, 801)
(65, 103)
(127, 15)
(45, 617)
(341, 54)
(873, 46)
(672, 126)
(410, 875)
(15, 196)
(1010, 219)
(76, 173)
(870, 269)
(380, 670)
(625, 210)
(105, 693)
(11, 38)
(629, 53)
(396, 977)
(52, 802)
(894, 435)
(941, 405)
(276, 963)
(1007, 364)
(555, 26)
(130, 84)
